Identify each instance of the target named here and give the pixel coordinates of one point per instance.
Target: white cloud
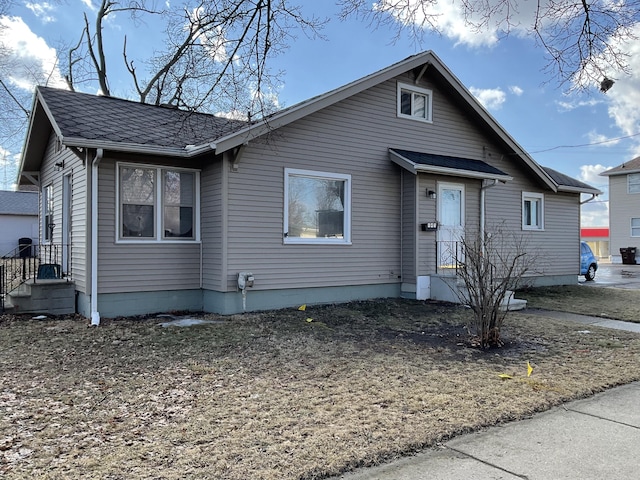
(624, 97)
(29, 60)
(42, 11)
(567, 106)
(491, 98)
(474, 28)
(212, 39)
(516, 90)
(591, 174)
(88, 3)
(595, 213)
(598, 139)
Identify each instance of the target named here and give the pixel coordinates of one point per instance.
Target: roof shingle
(18, 203)
(90, 117)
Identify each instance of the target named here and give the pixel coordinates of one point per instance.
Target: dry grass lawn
(613, 303)
(274, 395)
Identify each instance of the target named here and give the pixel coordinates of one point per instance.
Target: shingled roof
(420, 161)
(568, 183)
(83, 121)
(18, 203)
(113, 120)
(632, 166)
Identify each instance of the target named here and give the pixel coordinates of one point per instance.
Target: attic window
(633, 183)
(414, 102)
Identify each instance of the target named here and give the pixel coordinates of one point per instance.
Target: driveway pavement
(615, 275)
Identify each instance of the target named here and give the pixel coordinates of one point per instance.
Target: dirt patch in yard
(278, 395)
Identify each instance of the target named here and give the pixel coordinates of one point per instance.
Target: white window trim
(45, 210)
(629, 183)
(632, 227)
(288, 172)
(423, 91)
(158, 211)
(533, 196)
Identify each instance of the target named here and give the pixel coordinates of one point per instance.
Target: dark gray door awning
(416, 162)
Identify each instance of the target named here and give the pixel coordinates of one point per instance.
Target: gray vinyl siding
(427, 212)
(212, 221)
(557, 247)
(350, 137)
(623, 206)
(147, 266)
(409, 227)
(49, 174)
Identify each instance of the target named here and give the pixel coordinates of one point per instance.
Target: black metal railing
(33, 262)
(448, 257)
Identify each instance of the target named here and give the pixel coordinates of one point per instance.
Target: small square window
(532, 211)
(414, 102)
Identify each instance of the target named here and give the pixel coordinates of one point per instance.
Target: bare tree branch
(583, 40)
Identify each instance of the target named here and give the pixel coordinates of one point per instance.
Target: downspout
(593, 197)
(484, 187)
(95, 315)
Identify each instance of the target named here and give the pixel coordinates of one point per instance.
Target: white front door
(450, 225)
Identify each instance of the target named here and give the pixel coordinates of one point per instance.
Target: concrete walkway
(595, 438)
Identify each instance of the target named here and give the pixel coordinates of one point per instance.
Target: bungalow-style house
(354, 194)
(18, 220)
(624, 211)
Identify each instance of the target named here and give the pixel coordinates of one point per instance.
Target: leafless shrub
(491, 264)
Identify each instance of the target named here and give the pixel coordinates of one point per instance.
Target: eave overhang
(440, 165)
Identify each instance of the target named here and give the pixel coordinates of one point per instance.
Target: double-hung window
(317, 207)
(633, 183)
(635, 227)
(414, 102)
(532, 211)
(47, 213)
(157, 204)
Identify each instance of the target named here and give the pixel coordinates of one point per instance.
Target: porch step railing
(33, 263)
(448, 257)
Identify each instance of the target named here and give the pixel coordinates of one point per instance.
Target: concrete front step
(55, 297)
(509, 303)
(444, 288)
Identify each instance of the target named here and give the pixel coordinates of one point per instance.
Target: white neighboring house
(624, 210)
(18, 219)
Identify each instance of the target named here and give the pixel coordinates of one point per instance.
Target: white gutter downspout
(593, 197)
(484, 186)
(95, 315)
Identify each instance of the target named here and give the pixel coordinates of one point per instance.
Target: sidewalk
(595, 438)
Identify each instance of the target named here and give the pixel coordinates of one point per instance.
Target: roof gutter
(462, 173)
(416, 168)
(593, 197)
(188, 151)
(95, 315)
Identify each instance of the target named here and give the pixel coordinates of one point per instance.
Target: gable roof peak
(631, 166)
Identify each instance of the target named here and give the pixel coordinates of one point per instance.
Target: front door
(450, 225)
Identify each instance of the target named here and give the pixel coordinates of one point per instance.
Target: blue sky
(572, 133)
